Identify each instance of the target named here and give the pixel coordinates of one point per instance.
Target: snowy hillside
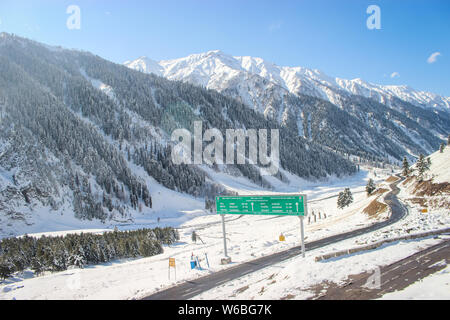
(86, 142)
(338, 113)
(432, 195)
(439, 168)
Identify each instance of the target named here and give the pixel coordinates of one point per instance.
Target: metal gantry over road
(190, 289)
(277, 205)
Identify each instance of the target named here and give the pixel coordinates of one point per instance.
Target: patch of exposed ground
(420, 201)
(288, 297)
(440, 202)
(408, 180)
(428, 188)
(380, 191)
(375, 208)
(240, 290)
(392, 179)
(321, 289)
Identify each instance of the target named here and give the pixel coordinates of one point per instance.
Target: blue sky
(328, 35)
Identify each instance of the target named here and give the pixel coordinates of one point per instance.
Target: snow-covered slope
(146, 65)
(215, 70)
(439, 169)
(433, 192)
(439, 166)
(84, 141)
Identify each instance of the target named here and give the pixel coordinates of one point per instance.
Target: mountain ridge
(295, 79)
(280, 94)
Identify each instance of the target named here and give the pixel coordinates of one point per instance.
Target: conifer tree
(345, 198)
(422, 165)
(348, 197)
(6, 268)
(405, 166)
(370, 187)
(340, 200)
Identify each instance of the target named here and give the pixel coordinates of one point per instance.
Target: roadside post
(302, 217)
(277, 205)
(172, 265)
(226, 259)
(302, 235)
(199, 267)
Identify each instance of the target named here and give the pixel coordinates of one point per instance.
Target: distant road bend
(192, 288)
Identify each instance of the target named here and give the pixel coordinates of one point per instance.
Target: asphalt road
(394, 277)
(192, 288)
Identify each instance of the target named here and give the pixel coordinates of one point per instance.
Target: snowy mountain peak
(358, 80)
(146, 65)
(216, 70)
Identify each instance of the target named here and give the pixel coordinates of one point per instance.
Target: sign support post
(302, 236)
(302, 229)
(226, 259)
(224, 237)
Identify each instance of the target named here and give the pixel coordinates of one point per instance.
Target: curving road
(192, 288)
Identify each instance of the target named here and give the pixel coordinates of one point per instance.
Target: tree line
(78, 250)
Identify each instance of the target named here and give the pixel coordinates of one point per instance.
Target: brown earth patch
(440, 203)
(240, 290)
(271, 276)
(321, 289)
(375, 208)
(420, 201)
(380, 191)
(288, 297)
(391, 179)
(408, 180)
(428, 188)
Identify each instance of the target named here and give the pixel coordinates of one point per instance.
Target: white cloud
(433, 57)
(395, 75)
(275, 26)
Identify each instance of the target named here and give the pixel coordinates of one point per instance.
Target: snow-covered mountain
(351, 116)
(217, 70)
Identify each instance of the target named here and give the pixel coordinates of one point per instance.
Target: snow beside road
(249, 237)
(433, 287)
(295, 278)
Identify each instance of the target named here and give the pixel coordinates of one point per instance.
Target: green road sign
(279, 205)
